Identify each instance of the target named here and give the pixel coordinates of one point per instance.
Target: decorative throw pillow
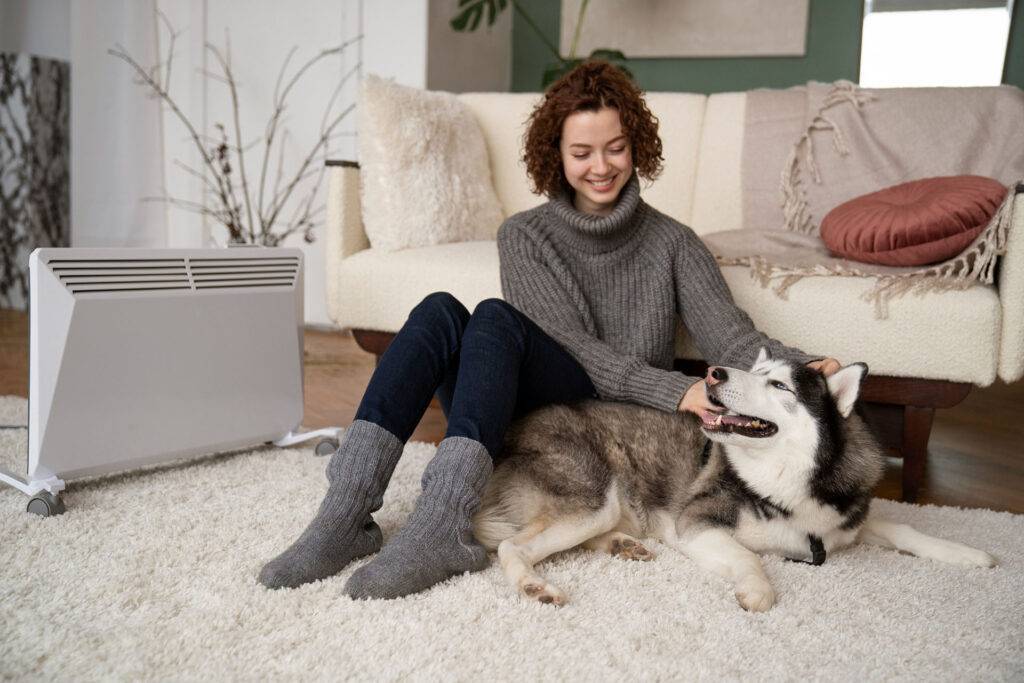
(913, 224)
(424, 170)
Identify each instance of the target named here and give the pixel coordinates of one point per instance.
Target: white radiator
(138, 356)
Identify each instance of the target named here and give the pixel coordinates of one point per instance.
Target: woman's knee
(496, 307)
(498, 315)
(441, 305)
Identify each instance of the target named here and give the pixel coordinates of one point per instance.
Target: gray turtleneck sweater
(609, 288)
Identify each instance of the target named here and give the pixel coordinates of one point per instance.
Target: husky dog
(788, 468)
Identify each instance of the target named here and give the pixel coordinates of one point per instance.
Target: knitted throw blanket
(835, 142)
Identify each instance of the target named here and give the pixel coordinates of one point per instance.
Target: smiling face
(597, 159)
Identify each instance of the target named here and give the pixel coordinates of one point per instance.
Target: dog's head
(778, 400)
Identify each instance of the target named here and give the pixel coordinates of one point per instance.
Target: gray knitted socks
(437, 541)
(342, 529)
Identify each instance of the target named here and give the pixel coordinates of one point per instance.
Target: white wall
(395, 43)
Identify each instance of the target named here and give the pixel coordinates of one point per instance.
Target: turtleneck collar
(598, 234)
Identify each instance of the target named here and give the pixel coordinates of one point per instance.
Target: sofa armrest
(344, 228)
(1011, 296)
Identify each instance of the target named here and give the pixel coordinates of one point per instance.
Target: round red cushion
(913, 224)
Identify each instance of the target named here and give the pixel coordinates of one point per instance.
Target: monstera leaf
(471, 11)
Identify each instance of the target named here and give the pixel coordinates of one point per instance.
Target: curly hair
(592, 85)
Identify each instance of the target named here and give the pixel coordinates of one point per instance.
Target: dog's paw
(966, 556)
(536, 588)
(630, 549)
(755, 594)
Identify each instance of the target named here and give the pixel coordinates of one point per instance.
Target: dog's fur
(602, 475)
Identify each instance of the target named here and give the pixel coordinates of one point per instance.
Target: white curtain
(116, 157)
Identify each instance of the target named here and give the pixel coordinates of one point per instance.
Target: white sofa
(928, 352)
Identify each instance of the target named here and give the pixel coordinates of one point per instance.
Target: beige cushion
(502, 118)
(424, 169)
(719, 202)
(952, 336)
(376, 290)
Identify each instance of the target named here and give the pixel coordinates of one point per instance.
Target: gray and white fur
(789, 459)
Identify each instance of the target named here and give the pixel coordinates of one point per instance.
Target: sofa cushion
(424, 171)
(718, 198)
(950, 335)
(953, 335)
(913, 224)
(502, 118)
(377, 290)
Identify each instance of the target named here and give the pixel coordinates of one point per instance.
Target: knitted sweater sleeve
(528, 283)
(722, 331)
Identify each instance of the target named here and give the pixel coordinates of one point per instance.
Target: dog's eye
(779, 385)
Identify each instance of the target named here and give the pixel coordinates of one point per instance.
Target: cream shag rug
(152, 576)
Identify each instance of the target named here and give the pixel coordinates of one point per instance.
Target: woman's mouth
(602, 185)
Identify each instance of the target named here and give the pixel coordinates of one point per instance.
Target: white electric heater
(139, 356)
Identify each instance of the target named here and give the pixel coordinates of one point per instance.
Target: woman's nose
(600, 165)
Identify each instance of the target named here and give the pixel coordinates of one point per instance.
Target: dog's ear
(844, 386)
(763, 356)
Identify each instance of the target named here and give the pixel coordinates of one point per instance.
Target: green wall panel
(833, 52)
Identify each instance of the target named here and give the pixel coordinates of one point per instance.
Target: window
(921, 43)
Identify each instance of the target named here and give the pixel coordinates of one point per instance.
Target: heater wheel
(45, 504)
(326, 446)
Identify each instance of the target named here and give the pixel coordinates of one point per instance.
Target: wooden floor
(976, 456)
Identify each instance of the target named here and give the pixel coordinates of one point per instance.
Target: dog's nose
(716, 375)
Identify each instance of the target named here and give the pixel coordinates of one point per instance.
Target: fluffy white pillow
(424, 171)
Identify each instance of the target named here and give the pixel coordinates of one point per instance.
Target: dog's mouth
(731, 422)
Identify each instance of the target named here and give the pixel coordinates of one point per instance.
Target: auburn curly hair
(590, 86)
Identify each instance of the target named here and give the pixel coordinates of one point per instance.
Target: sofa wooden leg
(373, 342)
(917, 426)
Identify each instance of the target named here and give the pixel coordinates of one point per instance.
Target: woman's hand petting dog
(826, 366)
(696, 400)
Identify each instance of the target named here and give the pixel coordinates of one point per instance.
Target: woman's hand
(826, 366)
(695, 400)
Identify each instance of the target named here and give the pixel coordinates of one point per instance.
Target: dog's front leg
(910, 540)
(715, 550)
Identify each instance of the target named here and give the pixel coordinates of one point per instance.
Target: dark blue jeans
(486, 368)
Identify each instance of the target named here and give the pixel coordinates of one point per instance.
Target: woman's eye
(620, 150)
(779, 385)
(579, 156)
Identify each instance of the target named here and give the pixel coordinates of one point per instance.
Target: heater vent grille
(83, 276)
(96, 276)
(214, 273)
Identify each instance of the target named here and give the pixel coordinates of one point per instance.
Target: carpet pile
(151, 575)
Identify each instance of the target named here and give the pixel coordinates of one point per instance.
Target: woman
(593, 281)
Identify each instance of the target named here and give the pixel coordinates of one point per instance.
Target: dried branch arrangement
(251, 208)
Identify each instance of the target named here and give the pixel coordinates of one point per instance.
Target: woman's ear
(845, 386)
